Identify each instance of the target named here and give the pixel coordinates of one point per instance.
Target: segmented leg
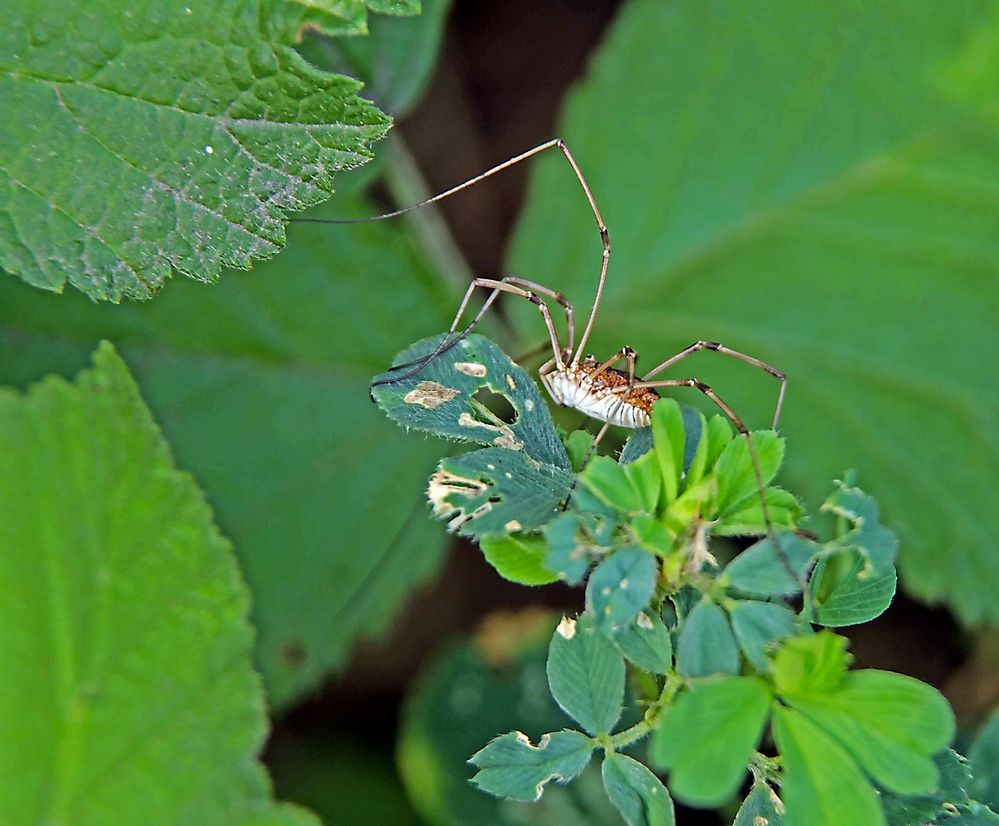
(504, 285)
(727, 351)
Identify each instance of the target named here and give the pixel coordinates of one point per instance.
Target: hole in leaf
(293, 654)
(497, 404)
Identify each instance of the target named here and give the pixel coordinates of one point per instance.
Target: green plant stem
(649, 722)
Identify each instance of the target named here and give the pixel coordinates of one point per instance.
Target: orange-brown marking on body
(643, 397)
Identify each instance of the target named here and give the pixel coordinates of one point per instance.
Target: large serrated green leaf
(814, 189)
(128, 690)
(821, 784)
(706, 737)
(395, 62)
(161, 136)
(262, 386)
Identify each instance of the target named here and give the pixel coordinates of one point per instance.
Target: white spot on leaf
(644, 621)
(430, 394)
(567, 628)
(209, 150)
(512, 525)
(471, 368)
(511, 382)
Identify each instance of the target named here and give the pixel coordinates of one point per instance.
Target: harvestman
(595, 388)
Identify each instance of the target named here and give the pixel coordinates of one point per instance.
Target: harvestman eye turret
(596, 388)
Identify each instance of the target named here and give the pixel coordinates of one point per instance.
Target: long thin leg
(570, 323)
(727, 351)
(697, 384)
(451, 339)
(523, 156)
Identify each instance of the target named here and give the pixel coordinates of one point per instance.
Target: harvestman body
(595, 388)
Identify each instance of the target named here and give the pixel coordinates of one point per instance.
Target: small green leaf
(783, 508)
(821, 784)
(639, 443)
(669, 437)
(706, 737)
(607, 480)
(127, 641)
(440, 399)
(643, 474)
(813, 664)
(586, 674)
(891, 724)
(652, 534)
(698, 466)
(759, 569)
(496, 491)
(847, 591)
(720, 433)
(947, 796)
(620, 587)
(510, 766)
(757, 626)
(636, 792)
(706, 644)
(737, 480)
(761, 807)
(566, 556)
(646, 642)
(578, 445)
(984, 756)
(879, 544)
(519, 559)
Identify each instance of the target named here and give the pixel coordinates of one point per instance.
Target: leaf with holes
(846, 592)
(127, 647)
(511, 766)
(496, 491)
(154, 137)
(441, 398)
(839, 227)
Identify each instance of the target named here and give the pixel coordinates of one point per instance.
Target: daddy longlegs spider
(596, 388)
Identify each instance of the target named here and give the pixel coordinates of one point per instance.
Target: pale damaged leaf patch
(519, 481)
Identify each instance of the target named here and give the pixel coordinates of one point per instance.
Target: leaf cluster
(728, 661)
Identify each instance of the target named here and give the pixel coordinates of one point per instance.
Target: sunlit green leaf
(128, 691)
(518, 558)
(706, 737)
(810, 665)
(668, 435)
(821, 784)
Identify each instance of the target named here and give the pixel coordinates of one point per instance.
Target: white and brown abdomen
(593, 395)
